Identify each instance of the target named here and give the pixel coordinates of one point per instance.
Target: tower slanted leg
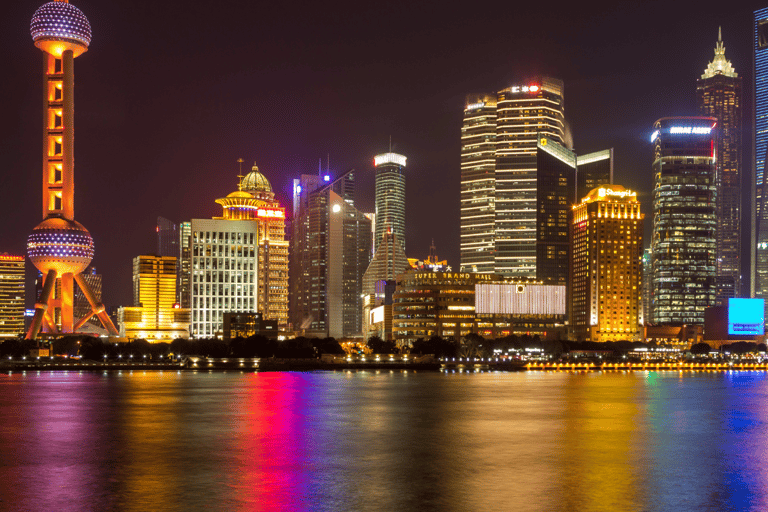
(96, 308)
(42, 306)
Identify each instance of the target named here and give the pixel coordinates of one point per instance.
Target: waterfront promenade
(384, 363)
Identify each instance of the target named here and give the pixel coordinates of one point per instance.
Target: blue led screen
(746, 316)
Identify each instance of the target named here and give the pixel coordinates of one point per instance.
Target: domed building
(238, 262)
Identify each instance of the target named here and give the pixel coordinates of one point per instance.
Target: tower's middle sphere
(60, 244)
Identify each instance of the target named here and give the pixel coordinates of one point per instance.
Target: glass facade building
(719, 96)
(330, 247)
(684, 219)
(759, 148)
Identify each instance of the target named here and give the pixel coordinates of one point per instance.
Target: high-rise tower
(390, 197)
(759, 251)
(719, 96)
(607, 272)
(684, 221)
(499, 140)
(60, 247)
(330, 250)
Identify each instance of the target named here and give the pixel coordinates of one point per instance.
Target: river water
(646, 441)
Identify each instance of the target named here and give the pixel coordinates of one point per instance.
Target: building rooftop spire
(720, 65)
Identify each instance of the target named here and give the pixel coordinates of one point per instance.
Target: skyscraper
(759, 250)
(167, 238)
(684, 222)
(390, 197)
(255, 200)
(523, 112)
(719, 96)
(60, 247)
(155, 314)
(330, 251)
(499, 163)
(239, 261)
(11, 295)
(606, 297)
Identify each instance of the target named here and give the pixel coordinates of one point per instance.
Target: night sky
(171, 94)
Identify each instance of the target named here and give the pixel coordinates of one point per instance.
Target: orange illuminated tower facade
(60, 247)
(606, 266)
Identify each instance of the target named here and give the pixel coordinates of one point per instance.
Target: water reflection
(383, 441)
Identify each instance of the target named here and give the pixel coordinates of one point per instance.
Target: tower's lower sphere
(59, 244)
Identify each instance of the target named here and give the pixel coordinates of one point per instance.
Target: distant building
(719, 96)
(330, 249)
(606, 289)
(390, 198)
(155, 315)
(11, 296)
(647, 285)
(167, 238)
(684, 223)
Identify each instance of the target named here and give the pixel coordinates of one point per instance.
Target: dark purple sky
(171, 93)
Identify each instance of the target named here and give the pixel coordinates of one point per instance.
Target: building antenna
(240, 174)
(319, 166)
(328, 164)
(390, 143)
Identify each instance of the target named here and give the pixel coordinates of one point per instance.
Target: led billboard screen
(746, 317)
(520, 299)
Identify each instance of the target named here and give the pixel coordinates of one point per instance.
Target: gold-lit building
(237, 263)
(11, 295)
(606, 292)
(155, 316)
(254, 200)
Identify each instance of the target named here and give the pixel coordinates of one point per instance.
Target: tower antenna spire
(240, 174)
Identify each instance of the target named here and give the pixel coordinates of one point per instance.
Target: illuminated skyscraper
(390, 197)
(684, 222)
(60, 247)
(760, 129)
(239, 261)
(11, 295)
(499, 174)
(478, 184)
(155, 315)
(330, 251)
(719, 96)
(255, 200)
(606, 296)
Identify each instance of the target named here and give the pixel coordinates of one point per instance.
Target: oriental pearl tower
(60, 247)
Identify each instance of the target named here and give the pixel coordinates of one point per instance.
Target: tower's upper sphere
(58, 26)
(60, 244)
